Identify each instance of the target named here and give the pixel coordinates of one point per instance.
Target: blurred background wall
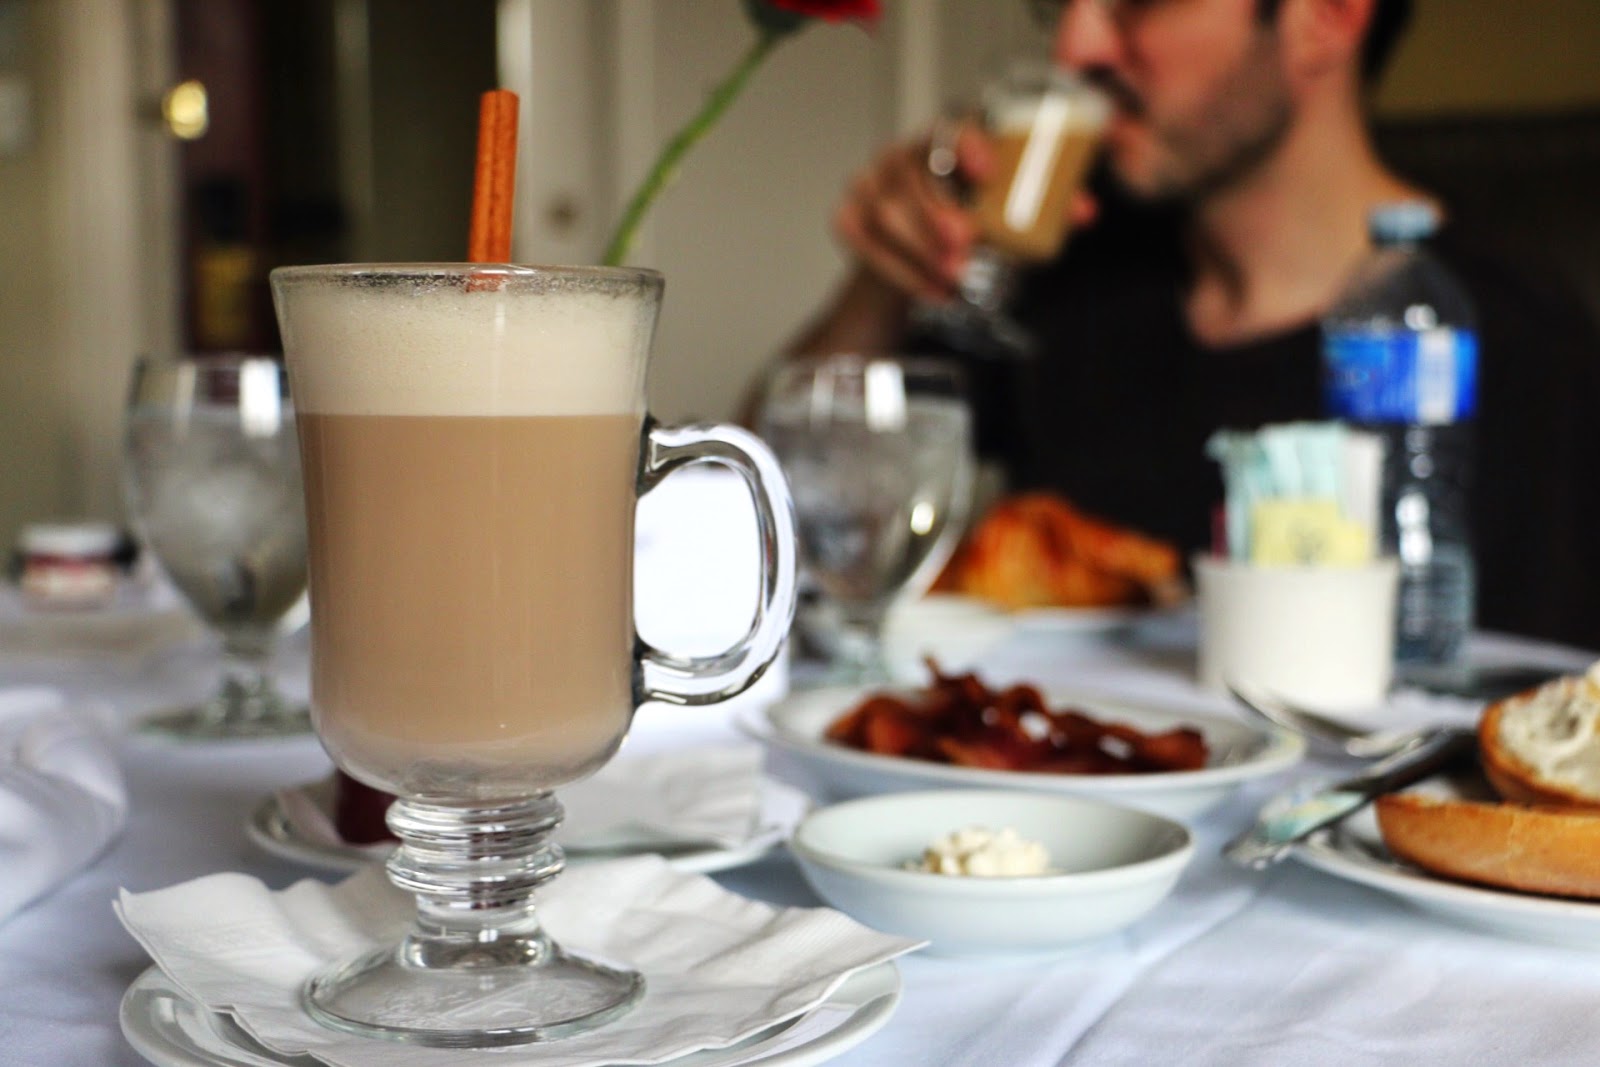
(343, 129)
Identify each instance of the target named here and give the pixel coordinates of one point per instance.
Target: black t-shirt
(1115, 408)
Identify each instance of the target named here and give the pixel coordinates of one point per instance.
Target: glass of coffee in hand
(475, 441)
(1045, 125)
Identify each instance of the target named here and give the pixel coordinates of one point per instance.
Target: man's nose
(1086, 36)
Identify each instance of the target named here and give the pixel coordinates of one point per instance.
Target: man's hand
(909, 227)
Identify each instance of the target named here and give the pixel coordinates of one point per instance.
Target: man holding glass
(1237, 174)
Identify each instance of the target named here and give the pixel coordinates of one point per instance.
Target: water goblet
(211, 479)
(475, 442)
(878, 455)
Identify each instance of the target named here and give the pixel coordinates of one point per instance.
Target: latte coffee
(1043, 150)
(471, 454)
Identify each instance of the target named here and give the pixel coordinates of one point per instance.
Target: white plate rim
(1355, 853)
(1062, 618)
(1091, 620)
(269, 829)
(1279, 749)
(863, 1003)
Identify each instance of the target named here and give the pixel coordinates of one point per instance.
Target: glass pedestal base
(247, 706)
(476, 970)
(480, 1005)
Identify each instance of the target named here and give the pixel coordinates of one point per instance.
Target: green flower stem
(666, 167)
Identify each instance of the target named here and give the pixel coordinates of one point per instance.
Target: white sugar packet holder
(718, 967)
(712, 796)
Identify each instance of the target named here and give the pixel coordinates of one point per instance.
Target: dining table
(1291, 965)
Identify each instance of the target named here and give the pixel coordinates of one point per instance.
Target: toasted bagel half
(1534, 849)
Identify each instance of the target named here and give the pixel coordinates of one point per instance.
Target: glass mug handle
(708, 679)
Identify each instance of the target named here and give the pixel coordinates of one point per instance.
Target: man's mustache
(1121, 94)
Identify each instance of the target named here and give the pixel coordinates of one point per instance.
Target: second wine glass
(212, 482)
(878, 453)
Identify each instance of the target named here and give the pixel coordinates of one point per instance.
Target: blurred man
(1238, 174)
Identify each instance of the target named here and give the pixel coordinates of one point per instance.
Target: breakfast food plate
(272, 828)
(1239, 753)
(1354, 851)
(170, 1030)
(1094, 620)
(955, 614)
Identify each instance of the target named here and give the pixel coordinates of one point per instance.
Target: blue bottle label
(1412, 376)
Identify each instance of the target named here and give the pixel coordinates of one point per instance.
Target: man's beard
(1243, 125)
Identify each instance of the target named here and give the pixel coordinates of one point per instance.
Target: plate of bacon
(959, 732)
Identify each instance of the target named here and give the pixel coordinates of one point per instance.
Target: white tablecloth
(1289, 968)
(1280, 969)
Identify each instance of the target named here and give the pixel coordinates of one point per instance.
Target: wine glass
(475, 443)
(1045, 124)
(878, 453)
(211, 478)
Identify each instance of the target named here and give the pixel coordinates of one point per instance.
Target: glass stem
(474, 871)
(247, 689)
(987, 280)
(860, 642)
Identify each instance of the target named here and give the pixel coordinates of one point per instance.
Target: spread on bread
(1543, 746)
(1540, 751)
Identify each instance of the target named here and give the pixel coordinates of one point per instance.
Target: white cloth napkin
(717, 967)
(61, 793)
(702, 796)
(1359, 980)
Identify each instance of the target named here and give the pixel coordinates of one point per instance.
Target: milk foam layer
(1085, 113)
(398, 347)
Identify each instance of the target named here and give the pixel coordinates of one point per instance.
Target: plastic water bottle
(1400, 356)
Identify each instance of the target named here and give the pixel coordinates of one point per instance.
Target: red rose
(832, 10)
(782, 17)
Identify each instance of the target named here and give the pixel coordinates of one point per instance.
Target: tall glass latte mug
(474, 440)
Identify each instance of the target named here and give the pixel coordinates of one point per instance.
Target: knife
(1285, 822)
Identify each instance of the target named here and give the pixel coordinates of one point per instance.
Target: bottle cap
(1404, 220)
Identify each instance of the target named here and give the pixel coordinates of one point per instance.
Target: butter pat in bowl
(1106, 867)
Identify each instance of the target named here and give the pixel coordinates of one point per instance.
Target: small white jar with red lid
(68, 564)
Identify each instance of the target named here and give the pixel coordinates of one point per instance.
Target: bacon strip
(958, 720)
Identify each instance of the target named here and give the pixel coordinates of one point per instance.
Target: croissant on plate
(1037, 550)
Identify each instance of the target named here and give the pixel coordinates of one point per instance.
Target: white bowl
(1113, 866)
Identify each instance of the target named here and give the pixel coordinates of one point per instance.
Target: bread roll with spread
(1540, 751)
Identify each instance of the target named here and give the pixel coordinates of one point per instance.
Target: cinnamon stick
(495, 179)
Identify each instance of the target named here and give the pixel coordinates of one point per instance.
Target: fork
(1322, 729)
